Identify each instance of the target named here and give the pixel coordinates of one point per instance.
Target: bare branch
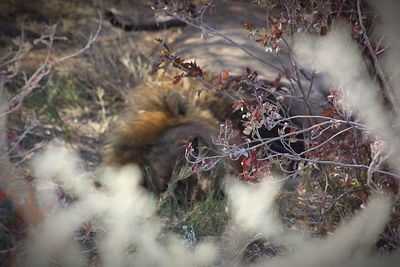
(46, 67)
(387, 90)
(203, 26)
(92, 38)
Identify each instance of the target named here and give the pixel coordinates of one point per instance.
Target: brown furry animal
(161, 118)
(158, 122)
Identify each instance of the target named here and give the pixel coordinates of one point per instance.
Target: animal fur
(160, 120)
(157, 123)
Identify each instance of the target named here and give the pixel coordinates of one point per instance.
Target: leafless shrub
(343, 128)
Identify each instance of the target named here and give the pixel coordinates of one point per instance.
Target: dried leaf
(249, 26)
(177, 79)
(328, 112)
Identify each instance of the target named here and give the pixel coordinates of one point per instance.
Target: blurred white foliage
(134, 237)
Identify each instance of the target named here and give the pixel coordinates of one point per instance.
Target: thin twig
(201, 26)
(44, 70)
(92, 38)
(335, 163)
(19, 140)
(385, 84)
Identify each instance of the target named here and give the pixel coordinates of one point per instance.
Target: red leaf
(237, 105)
(246, 164)
(257, 115)
(179, 61)
(177, 79)
(192, 69)
(225, 75)
(219, 84)
(277, 81)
